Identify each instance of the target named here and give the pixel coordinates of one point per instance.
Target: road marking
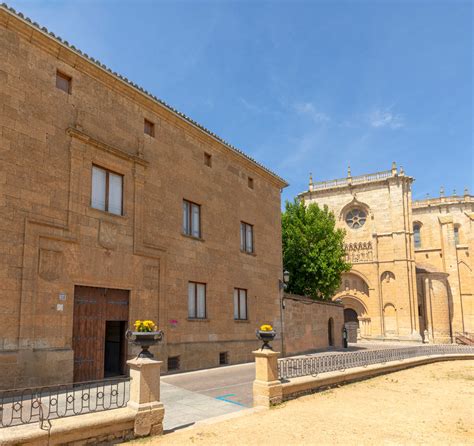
(225, 398)
(224, 387)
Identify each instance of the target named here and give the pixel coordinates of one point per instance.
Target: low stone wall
(143, 416)
(92, 428)
(306, 324)
(310, 384)
(268, 390)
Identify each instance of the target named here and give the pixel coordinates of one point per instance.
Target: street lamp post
(283, 285)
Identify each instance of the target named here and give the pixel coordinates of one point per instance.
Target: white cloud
(385, 118)
(250, 106)
(308, 109)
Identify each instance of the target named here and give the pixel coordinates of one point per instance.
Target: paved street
(194, 396)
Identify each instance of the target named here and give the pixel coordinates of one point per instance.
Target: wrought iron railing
(321, 363)
(42, 404)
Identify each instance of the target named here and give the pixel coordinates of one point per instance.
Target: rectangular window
(240, 304)
(173, 363)
(246, 237)
(196, 300)
(63, 82)
(149, 128)
(191, 219)
(223, 358)
(207, 159)
(250, 182)
(107, 190)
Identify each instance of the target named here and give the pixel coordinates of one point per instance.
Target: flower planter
(266, 337)
(144, 339)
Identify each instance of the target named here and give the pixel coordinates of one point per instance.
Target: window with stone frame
(240, 304)
(456, 234)
(246, 238)
(417, 235)
(107, 190)
(356, 218)
(191, 219)
(63, 82)
(196, 300)
(149, 128)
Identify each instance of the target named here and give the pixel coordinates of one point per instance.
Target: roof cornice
(63, 50)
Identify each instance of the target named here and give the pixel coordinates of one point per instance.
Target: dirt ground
(431, 404)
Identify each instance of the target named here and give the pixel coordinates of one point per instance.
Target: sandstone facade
(397, 290)
(309, 325)
(53, 242)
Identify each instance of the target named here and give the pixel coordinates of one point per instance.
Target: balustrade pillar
(145, 396)
(267, 388)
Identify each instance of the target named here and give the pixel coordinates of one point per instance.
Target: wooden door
(92, 308)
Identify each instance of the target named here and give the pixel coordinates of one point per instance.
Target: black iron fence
(321, 363)
(42, 404)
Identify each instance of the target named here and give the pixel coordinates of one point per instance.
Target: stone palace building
(116, 207)
(412, 275)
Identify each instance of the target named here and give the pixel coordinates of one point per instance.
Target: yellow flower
(266, 327)
(145, 326)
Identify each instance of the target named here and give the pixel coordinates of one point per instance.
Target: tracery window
(356, 218)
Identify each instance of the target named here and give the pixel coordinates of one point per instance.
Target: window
(456, 235)
(240, 304)
(356, 218)
(250, 182)
(191, 219)
(173, 363)
(63, 82)
(196, 300)
(246, 237)
(149, 128)
(223, 358)
(417, 235)
(107, 194)
(207, 159)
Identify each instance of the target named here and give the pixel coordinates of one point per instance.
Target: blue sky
(301, 86)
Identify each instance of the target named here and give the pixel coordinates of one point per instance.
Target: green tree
(313, 250)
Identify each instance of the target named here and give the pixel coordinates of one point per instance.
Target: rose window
(355, 218)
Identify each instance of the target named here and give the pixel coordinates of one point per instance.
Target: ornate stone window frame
(350, 207)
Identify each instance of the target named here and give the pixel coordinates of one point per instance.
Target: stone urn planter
(266, 336)
(144, 339)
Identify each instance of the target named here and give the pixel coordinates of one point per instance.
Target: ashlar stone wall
(52, 240)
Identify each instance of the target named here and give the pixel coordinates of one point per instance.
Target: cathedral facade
(412, 269)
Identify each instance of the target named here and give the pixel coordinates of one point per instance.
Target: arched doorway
(351, 322)
(356, 316)
(331, 332)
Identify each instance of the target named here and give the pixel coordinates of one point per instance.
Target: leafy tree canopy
(313, 250)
